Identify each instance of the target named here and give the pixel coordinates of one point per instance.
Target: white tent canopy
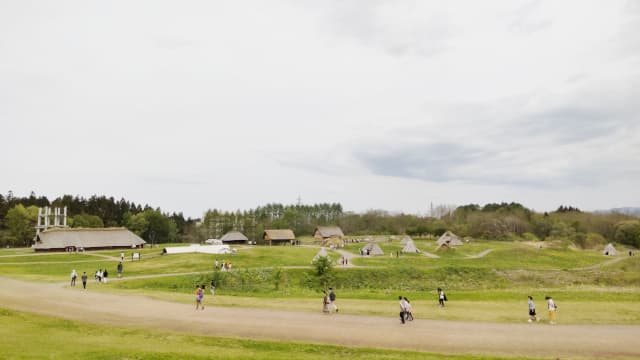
(195, 248)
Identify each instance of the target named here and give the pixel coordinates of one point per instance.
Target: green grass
(26, 336)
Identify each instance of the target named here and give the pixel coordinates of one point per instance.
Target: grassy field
(22, 336)
(589, 287)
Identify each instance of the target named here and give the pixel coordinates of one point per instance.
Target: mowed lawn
(27, 336)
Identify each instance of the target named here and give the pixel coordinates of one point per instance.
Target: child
(532, 310)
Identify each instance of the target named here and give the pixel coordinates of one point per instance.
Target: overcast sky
(191, 105)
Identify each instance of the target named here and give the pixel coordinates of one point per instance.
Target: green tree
(21, 223)
(628, 232)
(323, 270)
(86, 221)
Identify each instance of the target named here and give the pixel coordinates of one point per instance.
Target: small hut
(234, 237)
(373, 249)
(325, 233)
(410, 247)
(279, 237)
(321, 253)
(449, 239)
(406, 239)
(609, 250)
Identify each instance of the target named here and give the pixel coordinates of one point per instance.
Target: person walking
(325, 302)
(74, 275)
(198, 297)
(403, 308)
(122, 256)
(84, 280)
(551, 305)
(119, 269)
(442, 297)
(408, 315)
(332, 299)
(532, 310)
(105, 275)
(213, 287)
(202, 295)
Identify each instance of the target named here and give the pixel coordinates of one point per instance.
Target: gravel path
(591, 341)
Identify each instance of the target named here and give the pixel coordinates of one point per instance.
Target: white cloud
(374, 103)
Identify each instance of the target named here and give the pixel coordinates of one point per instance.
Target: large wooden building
(279, 237)
(74, 239)
(234, 237)
(329, 235)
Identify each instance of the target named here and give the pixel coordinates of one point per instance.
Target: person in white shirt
(74, 275)
(408, 315)
(552, 309)
(403, 308)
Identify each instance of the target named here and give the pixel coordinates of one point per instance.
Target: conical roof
(406, 239)
(410, 248)
(609, 250)
(449, 239)
(374, 249)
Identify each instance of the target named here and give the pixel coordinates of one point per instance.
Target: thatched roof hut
(609, 250)
(373, 249)
(449, 239)
(72, 239)
(323, 233)
(234, 237)
(406, 239)
(279, 236)
(410, 247)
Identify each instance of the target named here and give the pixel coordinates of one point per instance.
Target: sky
(394, 105)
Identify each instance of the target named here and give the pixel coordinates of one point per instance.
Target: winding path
(591, 341)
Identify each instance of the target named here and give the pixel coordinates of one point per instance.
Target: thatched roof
(406, 239)
(234, 236)
(449, 239)
(279, 234)
(58, 238)
(333, 241)
(410, 248)
(609, 250)
(328, 231)
(374, 249)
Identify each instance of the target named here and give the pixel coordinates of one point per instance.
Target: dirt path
(350, 330)
(480, 255)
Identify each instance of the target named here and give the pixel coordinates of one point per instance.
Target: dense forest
(503, 221)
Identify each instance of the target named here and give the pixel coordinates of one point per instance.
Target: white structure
(195, 248)
(44, 219)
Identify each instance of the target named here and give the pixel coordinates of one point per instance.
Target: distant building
(279, 237)
(234, 237)
(324, 233)
(73, 239)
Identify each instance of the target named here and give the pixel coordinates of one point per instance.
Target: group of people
(329, 302)
(100, 276)
(225, 266)
(74, 276)
(551, 307)
(405, 309)
(344, 261)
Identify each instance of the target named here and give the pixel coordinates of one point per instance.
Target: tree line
(498, 221)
